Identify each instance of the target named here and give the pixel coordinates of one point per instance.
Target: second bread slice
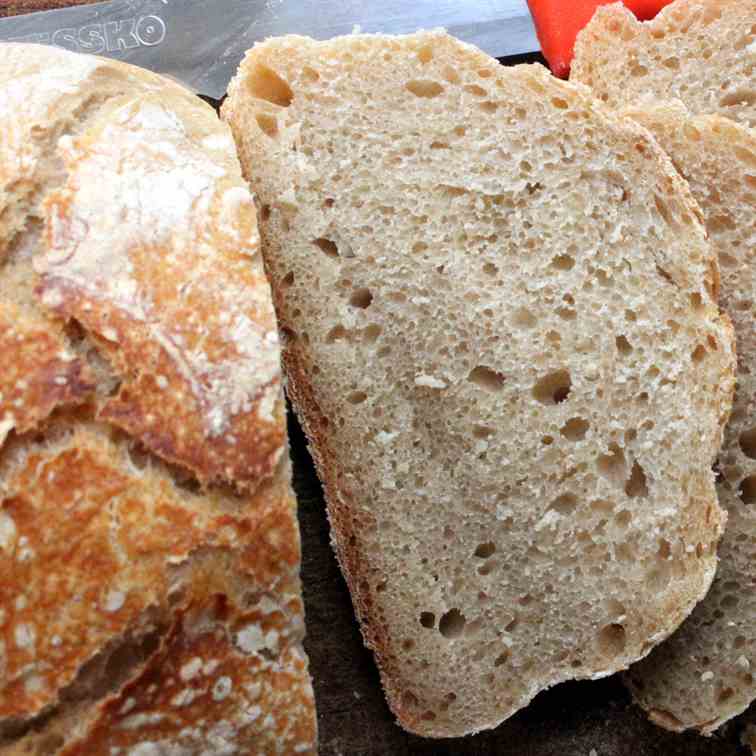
(502, 339)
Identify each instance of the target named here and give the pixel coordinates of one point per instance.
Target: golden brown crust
(146, 511)
(200, 691)
(43, 375)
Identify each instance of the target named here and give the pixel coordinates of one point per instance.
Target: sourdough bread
(501, 337)
(149, 552)
(703, 675)
(702, 52)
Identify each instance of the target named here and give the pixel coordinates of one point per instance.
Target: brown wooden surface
(572, 719)
(14, 7)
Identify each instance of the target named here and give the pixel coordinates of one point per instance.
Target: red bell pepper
(558, 22)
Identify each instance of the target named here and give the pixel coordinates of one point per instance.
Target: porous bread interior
(501, 338)
(703, 675)
(700, 51)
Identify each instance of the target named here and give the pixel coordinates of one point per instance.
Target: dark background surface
(573, 719)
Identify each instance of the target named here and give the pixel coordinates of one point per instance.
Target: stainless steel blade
(201, 43)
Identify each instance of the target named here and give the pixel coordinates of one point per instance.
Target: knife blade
(202, 44)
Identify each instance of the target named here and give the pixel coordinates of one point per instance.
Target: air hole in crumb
(725, 695)
(563, 262)
(699, 353)
(427, 619)
(268, 124)
(564, 504)
(439, 146)
(425, 54)
(486, 378)
(747, 490)
(738, 97)
(287, 280)
(265, 84)
(663, 273)
(408, 644)
(450, 75)
(409, 700)
(310, 74)
(487, 567)
(748, 443)
(357, 397)
(696, 300)
(636, 486)
(474, 89)
(524, 318)
(612, 465)
(327, 246)
(553, 388)
(288, 335)
(558, 102)
(612, 639)
(265, 212)
(490, 269)
(329, 202)
(501, 659)
(424, 88)
(361, 298)
(452, 624)
(371, 333)
(337, 333)
(575, 429)
(624, 347)
(485, 550)
(482, 431)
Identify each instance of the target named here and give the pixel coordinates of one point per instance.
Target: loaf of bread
(703, 675)
(702, 52)
(149, 552)
(501, 335)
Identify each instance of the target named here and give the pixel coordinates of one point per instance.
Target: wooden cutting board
(573, 719)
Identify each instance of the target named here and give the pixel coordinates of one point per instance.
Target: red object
(558, 22)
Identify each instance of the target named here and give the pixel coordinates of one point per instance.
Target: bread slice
(703, 675)
(700, 51)
(502, 339)
(150, 600)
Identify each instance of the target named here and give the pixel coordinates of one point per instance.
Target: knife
(201, 43)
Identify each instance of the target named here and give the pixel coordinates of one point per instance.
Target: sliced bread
(700, 51)
(501, 337)
(703, 675)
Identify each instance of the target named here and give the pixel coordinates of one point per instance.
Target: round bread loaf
(149, 551)
(502, 336)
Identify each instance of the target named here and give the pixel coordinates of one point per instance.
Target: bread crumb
(429, 382)
(706, 676)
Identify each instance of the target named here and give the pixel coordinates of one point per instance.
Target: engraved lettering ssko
(112, 36)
